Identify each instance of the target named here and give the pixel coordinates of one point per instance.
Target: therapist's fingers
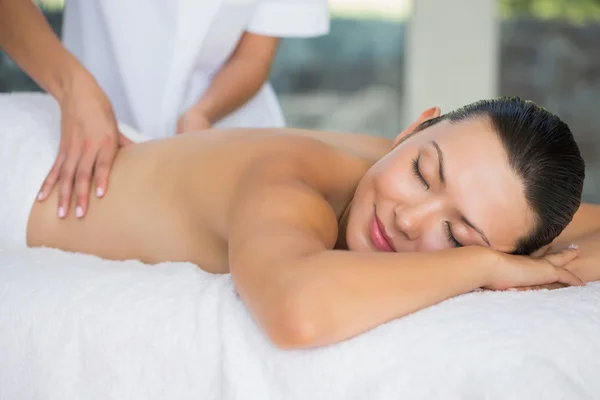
(83, 180)
(66, 177)
(104, 161)
(124, 140)
(192, 120)
(51, 178)
(180, 128)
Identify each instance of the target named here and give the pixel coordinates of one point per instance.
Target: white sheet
(77, 327)
(29, 141)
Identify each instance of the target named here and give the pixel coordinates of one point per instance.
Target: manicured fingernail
(99, 192)
(61, 212)
(573, 246)
(40, 196)
(79, 212)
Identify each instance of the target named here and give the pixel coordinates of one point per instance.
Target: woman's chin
(359, 243)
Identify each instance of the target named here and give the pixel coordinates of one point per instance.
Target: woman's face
(448, 185)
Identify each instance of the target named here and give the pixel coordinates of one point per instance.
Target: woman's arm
(303, 294)
(237, 81)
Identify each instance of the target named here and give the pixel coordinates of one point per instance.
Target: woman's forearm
(237, 82)
(335, 295)
(28, 39)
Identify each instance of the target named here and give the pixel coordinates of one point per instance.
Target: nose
(411, 219)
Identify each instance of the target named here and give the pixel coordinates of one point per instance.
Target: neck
(343, 226)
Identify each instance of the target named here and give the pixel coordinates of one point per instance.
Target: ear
(428, 114)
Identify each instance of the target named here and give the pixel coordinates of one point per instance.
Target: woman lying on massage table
(456, 203)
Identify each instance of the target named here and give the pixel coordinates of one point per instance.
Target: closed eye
(451, 238)
(417, 171)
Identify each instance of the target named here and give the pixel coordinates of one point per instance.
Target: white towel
(77, 327)
(29, 139)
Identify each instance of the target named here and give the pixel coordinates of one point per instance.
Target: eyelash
(451, 238)
(415, 165)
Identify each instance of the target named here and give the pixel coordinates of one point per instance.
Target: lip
(378, 236)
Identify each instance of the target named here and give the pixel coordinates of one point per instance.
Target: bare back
(169, 200)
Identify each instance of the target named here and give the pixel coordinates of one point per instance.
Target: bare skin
(278, 208)
(158, 210)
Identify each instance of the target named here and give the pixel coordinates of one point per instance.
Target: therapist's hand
(192, 120)
(88, 145)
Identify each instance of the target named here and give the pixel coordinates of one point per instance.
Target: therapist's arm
(240, 78)
(89, 135)
(28, 39)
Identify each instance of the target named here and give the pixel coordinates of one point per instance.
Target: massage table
(74, 326)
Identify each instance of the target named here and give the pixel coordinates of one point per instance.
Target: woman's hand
(550, 270)
(551, 286)
(88, 145)
(192, 120)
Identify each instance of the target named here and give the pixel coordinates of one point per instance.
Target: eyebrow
(443, 180)
(440, 161)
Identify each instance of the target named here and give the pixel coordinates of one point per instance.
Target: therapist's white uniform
(155, 58)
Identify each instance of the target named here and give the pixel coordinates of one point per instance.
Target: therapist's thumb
(124, 140)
